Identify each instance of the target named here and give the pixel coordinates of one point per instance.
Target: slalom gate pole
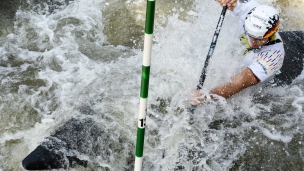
(150, 11)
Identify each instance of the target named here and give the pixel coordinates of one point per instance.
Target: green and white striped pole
(144, 84)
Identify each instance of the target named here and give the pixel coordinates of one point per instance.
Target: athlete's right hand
(229, 3)
(197, 97)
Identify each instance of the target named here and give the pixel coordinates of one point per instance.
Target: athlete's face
(257, 43)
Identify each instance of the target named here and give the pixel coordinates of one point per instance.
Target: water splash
(64, 60)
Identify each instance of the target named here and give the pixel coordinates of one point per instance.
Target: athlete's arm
(238, 83)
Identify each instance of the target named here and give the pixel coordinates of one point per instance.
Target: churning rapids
(73, 69)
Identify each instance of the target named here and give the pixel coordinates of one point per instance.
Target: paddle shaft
(212, 47)
(210, 52)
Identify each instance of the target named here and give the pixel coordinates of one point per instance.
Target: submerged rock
(80, 142)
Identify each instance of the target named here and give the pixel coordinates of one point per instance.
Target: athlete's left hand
(229, 3)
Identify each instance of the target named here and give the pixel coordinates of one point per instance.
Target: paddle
(210, 52)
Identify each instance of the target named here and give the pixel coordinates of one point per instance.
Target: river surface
(59, 57)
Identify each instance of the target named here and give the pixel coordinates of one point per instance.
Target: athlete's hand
(197, 97)
(229, 3)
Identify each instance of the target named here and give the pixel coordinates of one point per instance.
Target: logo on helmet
(257, 26)
(260, 18)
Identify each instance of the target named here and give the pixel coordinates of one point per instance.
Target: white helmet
(262, 22)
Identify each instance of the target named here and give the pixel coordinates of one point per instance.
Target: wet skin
(257, 43)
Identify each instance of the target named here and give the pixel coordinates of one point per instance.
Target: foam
(110, 85)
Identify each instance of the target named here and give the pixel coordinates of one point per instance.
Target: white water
(54, 64)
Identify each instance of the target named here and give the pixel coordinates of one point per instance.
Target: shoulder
(266, 63)
(243, 7)
(273, 55)
(271, 51)
(276, 49)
